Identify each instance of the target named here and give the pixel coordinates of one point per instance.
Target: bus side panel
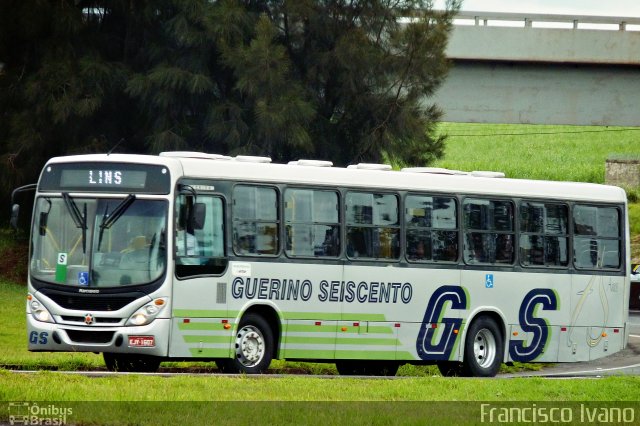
(309, 339)
(199, 309)
(596, 310)
(430, 326)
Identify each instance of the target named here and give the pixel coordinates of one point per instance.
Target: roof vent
(434, 170)
(252, 159)
(311, 163)
(369, 166)
(194, 154)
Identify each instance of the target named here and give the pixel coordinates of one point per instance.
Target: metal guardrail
(484, 18)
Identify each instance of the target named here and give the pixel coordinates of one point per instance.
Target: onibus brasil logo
(32, 413)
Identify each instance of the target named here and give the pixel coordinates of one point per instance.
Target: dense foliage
(340, 80)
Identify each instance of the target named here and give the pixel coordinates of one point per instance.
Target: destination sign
(106, 177)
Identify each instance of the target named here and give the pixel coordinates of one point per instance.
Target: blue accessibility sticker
(488, 281)
(83, 278)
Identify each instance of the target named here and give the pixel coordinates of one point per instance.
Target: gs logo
(38, 338)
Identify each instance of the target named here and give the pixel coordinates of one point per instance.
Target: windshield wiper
(109, 220)
(79, 219)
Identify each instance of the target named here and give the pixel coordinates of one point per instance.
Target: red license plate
(142, 341)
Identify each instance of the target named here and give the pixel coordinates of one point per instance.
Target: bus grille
(95, 320)
(88, 303)
(80, 336)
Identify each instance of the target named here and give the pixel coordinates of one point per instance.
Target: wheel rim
(249, 346)
(484, 348)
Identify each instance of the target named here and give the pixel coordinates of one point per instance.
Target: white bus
(192, 256)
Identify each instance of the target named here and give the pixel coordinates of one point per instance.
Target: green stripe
(404, 356)
(340, 354)
(319, 316)
(205, 313)
(339, 341)
(379, 329)
(307, 328)
(332, 316)
(207, 339)
(209, 352)
(212, 326)
(308, 353)
(363, 317)
(301, 328)
(365, 355)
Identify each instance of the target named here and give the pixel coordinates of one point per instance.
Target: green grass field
(571, 153)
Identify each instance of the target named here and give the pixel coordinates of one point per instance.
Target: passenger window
(489, 232)
(199, 235)
(255, 220)
(431, 229)
(597, 239)
(544, 234)
(312, 224)
(373, 228)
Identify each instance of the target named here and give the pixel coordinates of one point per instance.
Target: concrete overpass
(543, 69)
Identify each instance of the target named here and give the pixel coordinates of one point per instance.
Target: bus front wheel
(253, 347)
(483, 348)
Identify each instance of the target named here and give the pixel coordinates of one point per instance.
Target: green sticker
(61, 268)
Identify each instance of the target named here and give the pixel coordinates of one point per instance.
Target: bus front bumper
(150, 339)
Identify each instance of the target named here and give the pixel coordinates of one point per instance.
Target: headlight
(148, 312)
(38, 311)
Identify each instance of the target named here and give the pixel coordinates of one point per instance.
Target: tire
(367, 368)
(131, 363)
(483, 348)
(254, 347)
(450, 368)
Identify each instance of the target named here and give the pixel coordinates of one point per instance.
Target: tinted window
(489, 232)
(255, 220)
(199, 235)
(373, 230)
(597, 239)
(544, 239)
(431, 228)
(312, 223)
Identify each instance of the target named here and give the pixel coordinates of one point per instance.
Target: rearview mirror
(15, 213)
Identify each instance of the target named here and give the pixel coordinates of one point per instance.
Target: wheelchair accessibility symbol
(83, 278)
(488, 281)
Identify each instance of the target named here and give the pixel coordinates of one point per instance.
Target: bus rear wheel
(367, 368)
(131, 363)
(253, 347)
(483, 348)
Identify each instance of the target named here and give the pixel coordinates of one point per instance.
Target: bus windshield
(106, 242)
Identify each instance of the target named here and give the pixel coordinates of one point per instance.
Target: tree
(346, 81)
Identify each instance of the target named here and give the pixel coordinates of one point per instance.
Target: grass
(571, 153)
(141, 400)
(35, 387)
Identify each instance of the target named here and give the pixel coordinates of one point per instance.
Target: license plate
(142, 341)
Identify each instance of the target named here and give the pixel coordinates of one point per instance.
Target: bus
(196, 256)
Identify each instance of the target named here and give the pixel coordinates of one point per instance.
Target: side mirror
(199, 215)
(42, 225)
(15, 213)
